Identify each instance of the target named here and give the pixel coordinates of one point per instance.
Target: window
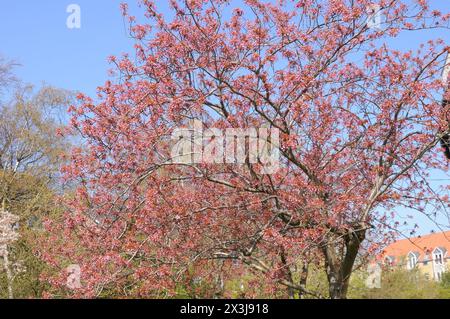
(438, 256)
(412, 260)
(438, 263)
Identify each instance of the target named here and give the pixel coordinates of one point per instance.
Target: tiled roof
(422, 245)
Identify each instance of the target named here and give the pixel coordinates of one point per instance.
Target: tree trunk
(287, 274)
(335, 287)
(338, 269)
(303, 278)
(8, 274)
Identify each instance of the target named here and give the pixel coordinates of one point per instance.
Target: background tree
(358, 122)
(399, 284)
(6, 75)
(30, 157)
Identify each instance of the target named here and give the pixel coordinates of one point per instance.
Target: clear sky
(34, 33)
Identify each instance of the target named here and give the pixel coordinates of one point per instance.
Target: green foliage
(27, 268)
(399, 284)
(445, 286)
(30, 156)
(317, 282)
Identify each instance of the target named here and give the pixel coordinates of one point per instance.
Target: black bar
(230, 309)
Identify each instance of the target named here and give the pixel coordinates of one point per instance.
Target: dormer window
(438, 262)
(412, 260)
(438, 256)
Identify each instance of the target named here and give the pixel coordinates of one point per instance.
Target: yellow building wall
(428, 268)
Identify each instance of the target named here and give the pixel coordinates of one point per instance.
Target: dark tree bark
(303, 278)
(339, 266)
(287, 274)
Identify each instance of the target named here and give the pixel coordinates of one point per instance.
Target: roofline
(425, 236)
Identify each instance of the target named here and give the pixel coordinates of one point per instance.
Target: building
(429, 254)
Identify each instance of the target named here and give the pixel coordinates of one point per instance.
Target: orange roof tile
(422, 245)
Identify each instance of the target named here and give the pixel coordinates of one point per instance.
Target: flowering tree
(358, 123)
(8, 235)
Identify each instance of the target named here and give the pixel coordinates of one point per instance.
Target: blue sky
(34, 34)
